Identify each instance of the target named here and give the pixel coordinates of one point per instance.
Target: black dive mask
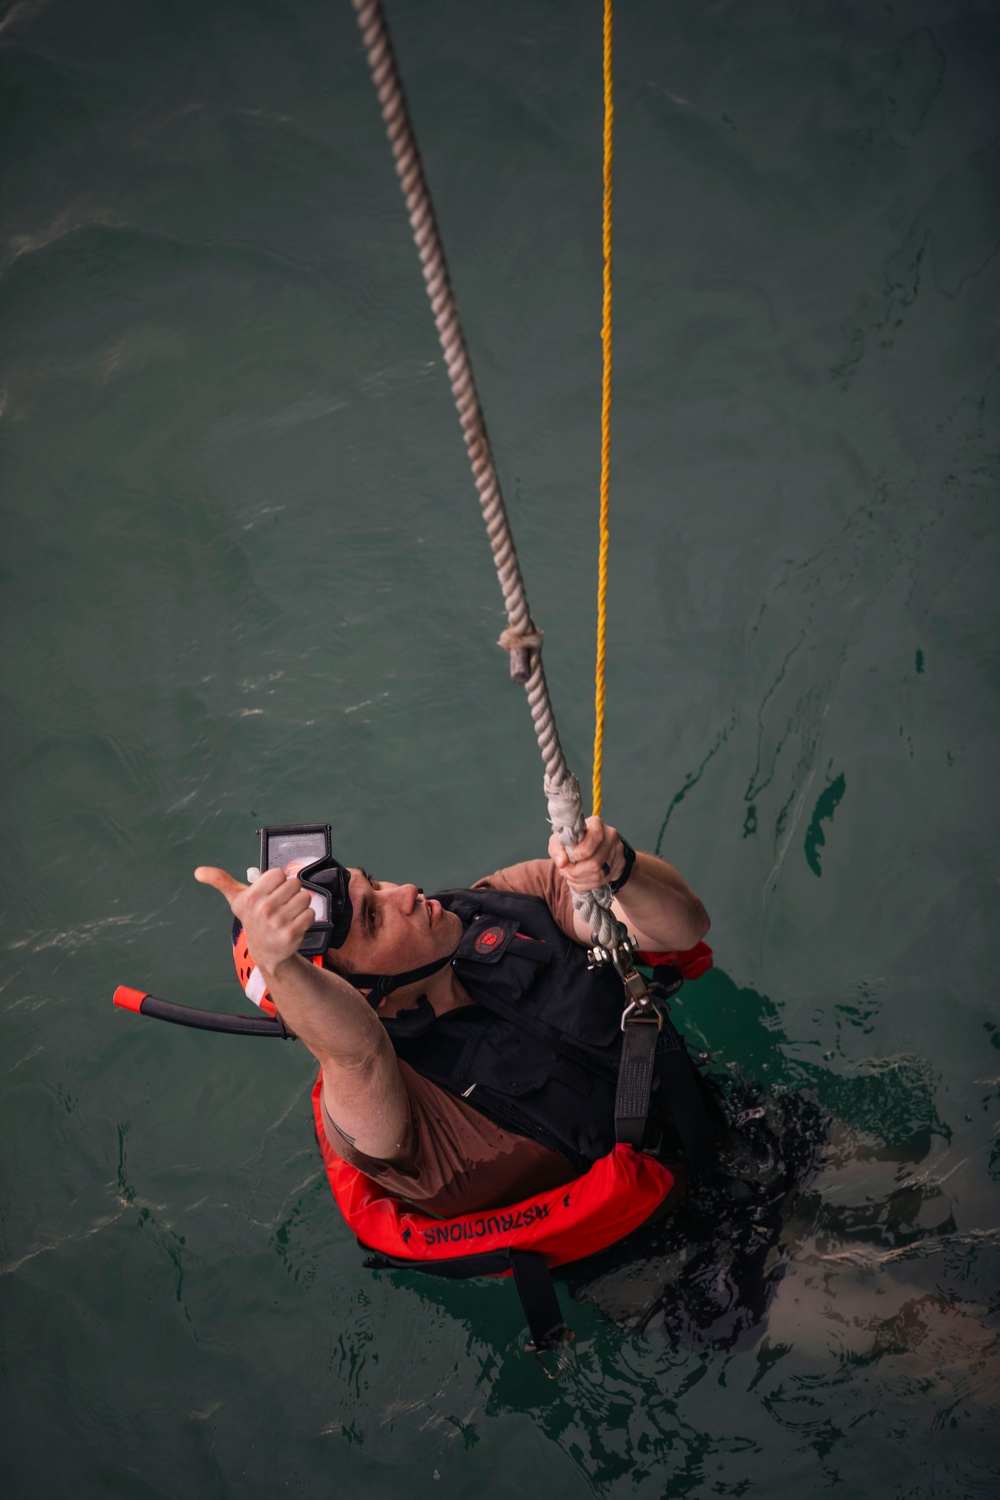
(306, 847)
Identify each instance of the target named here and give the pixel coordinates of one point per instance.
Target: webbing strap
(635, 1078)
(532, 1279)
(542, 1312)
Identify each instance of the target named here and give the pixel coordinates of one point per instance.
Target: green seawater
(245, 579)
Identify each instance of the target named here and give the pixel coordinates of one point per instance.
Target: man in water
(416, 1139)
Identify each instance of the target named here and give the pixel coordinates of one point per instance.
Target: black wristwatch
(615, 885)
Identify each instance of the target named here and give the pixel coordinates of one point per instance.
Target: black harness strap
(532, 1279)
(652, 1046)
(452, 1267)
(538, 1299)
(635, 1077)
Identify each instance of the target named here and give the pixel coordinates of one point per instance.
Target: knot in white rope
(524, 648)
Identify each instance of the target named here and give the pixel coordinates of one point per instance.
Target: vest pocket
(511, 1064)
(573, 1076)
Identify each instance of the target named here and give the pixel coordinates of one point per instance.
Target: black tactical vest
(538, 1054)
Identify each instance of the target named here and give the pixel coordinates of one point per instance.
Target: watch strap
(615, 885)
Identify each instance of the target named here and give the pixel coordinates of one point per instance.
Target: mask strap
(380, 985)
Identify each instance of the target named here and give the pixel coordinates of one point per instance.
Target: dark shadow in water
(705, 1273)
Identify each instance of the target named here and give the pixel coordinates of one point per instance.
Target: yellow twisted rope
(602, 563)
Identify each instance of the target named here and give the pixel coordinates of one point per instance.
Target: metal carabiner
(622, 956)
(644, 1010)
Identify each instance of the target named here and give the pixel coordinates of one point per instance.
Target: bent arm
(363, 1090)
(656, 904)
(659, 908)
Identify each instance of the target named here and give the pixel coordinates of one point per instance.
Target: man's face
(394, 928)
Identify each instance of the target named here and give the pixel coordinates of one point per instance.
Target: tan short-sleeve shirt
(456, 1160)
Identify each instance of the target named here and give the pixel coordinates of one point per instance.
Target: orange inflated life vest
(618, 1193)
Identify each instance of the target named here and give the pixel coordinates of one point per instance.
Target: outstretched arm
(362, 1087)
(657, 906)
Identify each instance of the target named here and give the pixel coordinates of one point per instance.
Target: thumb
(211, 875)
(592, 835)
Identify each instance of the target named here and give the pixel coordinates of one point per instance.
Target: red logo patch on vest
(488, 940)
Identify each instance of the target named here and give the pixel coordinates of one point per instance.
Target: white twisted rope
(521, 639)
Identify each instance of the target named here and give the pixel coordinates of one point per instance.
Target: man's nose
(409, 897)
(404, 895)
